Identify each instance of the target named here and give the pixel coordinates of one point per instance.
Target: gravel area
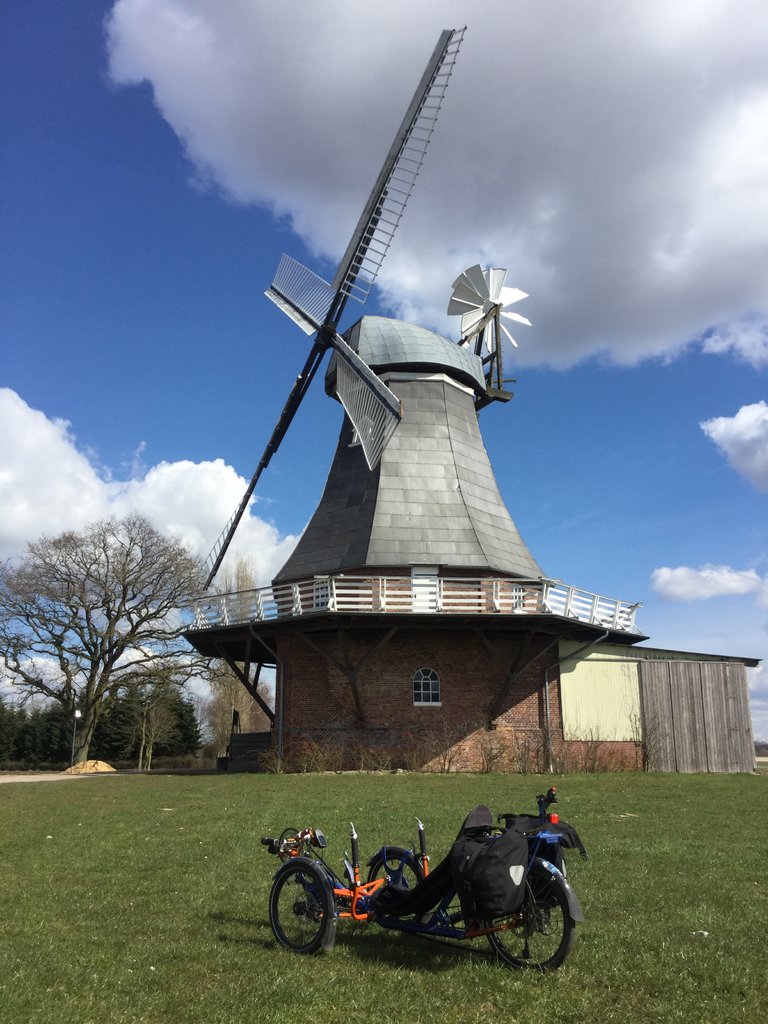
(49, 776)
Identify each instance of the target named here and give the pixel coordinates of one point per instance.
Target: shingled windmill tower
(411, 619)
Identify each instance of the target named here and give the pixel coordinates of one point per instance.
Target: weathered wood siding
(696, 716)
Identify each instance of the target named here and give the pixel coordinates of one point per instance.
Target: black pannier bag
(489, 871)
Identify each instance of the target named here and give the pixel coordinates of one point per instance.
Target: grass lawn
(144, 899)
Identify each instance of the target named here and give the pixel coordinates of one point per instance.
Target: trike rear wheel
(397, 866)
(301, 910)
(540, 936)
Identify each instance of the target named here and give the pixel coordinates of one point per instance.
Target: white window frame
(424, 675)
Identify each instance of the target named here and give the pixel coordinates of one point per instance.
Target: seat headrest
(479, 818)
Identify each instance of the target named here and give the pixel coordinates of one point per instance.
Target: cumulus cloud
(745, 338)
(686, 584)
(193, 501)
(743, 440)
(48, 485)
(613, 158)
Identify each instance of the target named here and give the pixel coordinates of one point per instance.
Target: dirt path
(49, 776)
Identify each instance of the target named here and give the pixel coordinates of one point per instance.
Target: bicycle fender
(330, 938)
(574, 908)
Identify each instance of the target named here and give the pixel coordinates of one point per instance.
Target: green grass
(144, 899)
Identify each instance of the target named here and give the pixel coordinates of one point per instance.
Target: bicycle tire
(402, 868)
(301, 908)
(544, 935)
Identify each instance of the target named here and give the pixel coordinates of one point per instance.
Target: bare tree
(227, 695)
(227, 692)
(156, 721)
(85, 613)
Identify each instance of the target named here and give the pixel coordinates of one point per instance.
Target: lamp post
(78, 714)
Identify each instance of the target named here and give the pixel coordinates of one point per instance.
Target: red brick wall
(319, 705)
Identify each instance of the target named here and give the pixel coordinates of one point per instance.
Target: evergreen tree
(56, 731)
(29, 746)
(10, 720)
(115, 736)
(184, 737)
(152, 719)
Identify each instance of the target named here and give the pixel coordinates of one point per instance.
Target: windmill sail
(299, 389)
(382, 213)
(301, 294)
(316, 306)
(373, 409)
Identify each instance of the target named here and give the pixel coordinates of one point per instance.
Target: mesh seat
(393, 902)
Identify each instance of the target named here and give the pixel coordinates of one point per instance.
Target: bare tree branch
(85, 613)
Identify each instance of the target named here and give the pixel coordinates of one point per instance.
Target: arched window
(426, 686)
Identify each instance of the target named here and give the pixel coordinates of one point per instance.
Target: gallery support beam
(347, 667)
(520, 665)
(243, 674)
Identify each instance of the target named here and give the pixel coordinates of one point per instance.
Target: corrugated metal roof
(620, 652)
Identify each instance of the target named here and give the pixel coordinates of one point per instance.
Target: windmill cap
(387, 344)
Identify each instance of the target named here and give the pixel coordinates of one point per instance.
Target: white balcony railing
(443, 595)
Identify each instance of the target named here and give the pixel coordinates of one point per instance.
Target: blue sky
(158, 157)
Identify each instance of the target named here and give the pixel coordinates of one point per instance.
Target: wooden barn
(687, 712)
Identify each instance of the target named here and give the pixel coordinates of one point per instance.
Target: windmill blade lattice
(389, 196)
(373, 409)
(301, 294)
(316, 306)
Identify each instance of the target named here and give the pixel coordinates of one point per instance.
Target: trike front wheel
(540, 936)
(301, 909)
(397, 866)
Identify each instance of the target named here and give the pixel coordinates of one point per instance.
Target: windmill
(479, 297)
(411, 589)
(316, 305)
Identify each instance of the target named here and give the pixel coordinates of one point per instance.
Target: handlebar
(292, 841)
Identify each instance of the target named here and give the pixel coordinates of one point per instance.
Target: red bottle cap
(554, 818)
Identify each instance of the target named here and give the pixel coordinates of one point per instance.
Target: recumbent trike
(504, 884)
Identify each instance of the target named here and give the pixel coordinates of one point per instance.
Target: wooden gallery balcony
(406, 595)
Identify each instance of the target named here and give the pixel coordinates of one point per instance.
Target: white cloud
(193, 501)
(614, 158)
(687, 584)
(746, 338)
(47, 485)
(743, 440)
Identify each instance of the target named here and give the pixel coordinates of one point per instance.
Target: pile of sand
(89, 767)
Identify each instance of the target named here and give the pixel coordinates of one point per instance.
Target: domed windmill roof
(387, 344)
